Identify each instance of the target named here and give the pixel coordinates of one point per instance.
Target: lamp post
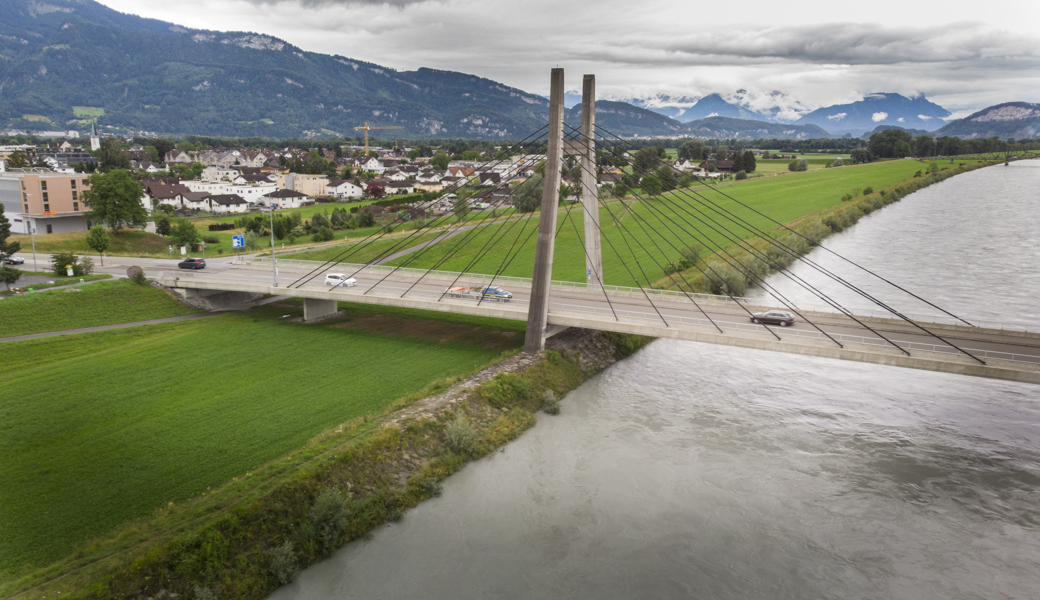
(32, 231)
(274, 265)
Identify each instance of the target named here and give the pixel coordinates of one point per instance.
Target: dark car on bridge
(192, 263)
(773, 317)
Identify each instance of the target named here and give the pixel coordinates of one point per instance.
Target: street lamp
(274, 265)
(32, 230)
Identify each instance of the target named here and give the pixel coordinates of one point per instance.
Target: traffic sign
(238, 241)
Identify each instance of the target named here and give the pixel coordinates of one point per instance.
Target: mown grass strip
(102, 303)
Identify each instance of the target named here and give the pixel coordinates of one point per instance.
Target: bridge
(886, 335)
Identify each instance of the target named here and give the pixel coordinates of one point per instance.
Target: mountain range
(66, 62)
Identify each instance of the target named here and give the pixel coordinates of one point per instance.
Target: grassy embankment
(102, 303)
(784, 198)
(59, 281)
(742, 266)
(109, 427)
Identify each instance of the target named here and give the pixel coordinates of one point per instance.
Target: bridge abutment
(315, 310)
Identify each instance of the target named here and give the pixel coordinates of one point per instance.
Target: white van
(337, 279)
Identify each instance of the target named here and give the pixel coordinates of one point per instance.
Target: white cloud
(901, 120)
(838, 116)
(924, 117)
(879, 116)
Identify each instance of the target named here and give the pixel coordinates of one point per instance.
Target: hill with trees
(1018, 120)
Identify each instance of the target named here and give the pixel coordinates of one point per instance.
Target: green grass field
(101, 303)
(107, 427)
(650, 238)
(88, 111)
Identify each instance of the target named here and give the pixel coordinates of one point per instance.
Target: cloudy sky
(963, 55)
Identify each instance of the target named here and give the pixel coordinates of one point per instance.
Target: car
(773, 317)
(192, 263)
(336, 279)
(496, 293)
(14, 260)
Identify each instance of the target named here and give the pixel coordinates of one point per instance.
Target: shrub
(506, 389)
(221, 227)
(868, 190)
(60, 259)
(798, 165)
(460, 435)
(86, 265)
(550, 403)
(324, 234)
(553, 357)
(725, 280)
(741, 175)
(846, 198)
(917, 174)
(138, 277)
(211, 239)
(837, 162)
(252, 240)
(283, 563)
(329, 516)
(833, 224)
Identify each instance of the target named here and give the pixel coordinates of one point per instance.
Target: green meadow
(103, 428)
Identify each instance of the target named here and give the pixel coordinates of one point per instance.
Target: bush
(460, 435)
(329, 516)
(86, 265)
(283, 563)
(741, 175)
(60, 259)
(550, 403)
(846, 198)
(138, 277)
(505, 390)
(252, 240)
(837, 162)
(726, 281)
(798, 165)
(221, 227)
(324, 234)
(211, 239)
(868, 190)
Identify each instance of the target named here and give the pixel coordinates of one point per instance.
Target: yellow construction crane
(367, 128)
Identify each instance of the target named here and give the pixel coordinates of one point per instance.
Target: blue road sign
(238, 241)
(589, 272)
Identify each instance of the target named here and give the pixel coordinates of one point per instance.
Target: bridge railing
(784, 331)
(655, 293)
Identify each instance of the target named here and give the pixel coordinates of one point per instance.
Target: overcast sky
(963, 55)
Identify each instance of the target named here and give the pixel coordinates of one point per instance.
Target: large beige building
(51, 202)
(314, 186)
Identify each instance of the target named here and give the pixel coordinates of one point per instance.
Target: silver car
(337, 279)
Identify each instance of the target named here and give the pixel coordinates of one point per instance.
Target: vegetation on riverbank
(101, 303)
(242, 538)
(735, 268)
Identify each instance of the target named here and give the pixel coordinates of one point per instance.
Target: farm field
(102, 303)
(653, 240)
(107, 427)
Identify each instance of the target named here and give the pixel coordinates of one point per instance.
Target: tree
(154, 153)
(115, 199)
(346, 174)
(883, 144)
(17, 160)
(185, 234)
(366, 219)
(162, 226)
(440, 161)
(280, 229)
(859, 155)
(722, 153)
(112, 156)
(692, 151)
(798, 165)
(97, 239)
(6, 248)
(750, 164)
(646, 160)
(461, 207)
(924, 146)
(162, 147)
(9, 275)
(527, 197)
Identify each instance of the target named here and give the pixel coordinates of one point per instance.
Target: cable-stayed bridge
(644, 233)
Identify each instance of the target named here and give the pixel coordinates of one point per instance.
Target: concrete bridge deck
(1009, 354)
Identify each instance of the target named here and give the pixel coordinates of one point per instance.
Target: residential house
(343, 188)
(227, 203)
(284, 198)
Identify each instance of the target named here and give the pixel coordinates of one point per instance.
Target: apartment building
(49, 201)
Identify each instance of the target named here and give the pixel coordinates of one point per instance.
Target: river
(710, 472)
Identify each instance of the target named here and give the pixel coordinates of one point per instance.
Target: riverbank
(380, 464)
(735, 267)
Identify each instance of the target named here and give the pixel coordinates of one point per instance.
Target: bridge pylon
(538, 310)
(589, 191)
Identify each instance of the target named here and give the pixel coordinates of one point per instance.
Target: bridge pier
(314, 309)
(538, 309)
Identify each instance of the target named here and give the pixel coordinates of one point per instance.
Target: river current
(709, 472)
